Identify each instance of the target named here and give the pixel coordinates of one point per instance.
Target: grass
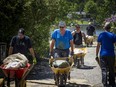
(81, 22)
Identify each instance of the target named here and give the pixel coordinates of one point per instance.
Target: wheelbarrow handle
(32, 65)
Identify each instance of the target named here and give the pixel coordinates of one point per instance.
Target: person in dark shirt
(21, 44)
(78, 37)
(90, 30)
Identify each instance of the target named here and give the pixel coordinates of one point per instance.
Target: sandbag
(15, 61)
(89, 39)
(60, 64)
(78, 51)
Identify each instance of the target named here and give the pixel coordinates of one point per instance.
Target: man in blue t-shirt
(63, 40)
(106, 42)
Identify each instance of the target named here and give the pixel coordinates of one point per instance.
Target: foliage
(37, 16)
(91, 8)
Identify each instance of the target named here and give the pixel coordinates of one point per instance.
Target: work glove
(34, 60)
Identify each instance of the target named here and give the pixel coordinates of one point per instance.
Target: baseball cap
(21, 30)
(62, 24)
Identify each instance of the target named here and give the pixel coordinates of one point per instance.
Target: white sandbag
(60, 64)
(13, 65)
(89, 39)
(16, 59)
(78, 51)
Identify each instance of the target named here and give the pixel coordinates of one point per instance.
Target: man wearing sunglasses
(78, 37)
(63, 40)
(21, 44)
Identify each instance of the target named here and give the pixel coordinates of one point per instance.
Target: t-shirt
(21, 45)
(107, 40)
(90, 30)
(62, 41)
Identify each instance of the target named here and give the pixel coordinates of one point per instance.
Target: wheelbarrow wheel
(62, 81)
(65, 78)
(75, 61)
(56, 78)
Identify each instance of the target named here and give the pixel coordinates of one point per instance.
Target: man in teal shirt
(63, 40)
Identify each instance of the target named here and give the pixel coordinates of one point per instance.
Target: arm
(97, 49)
(73, 33)
(71, 44)
(32, 52)
(52, 45)
(10, 50)
(84, 37)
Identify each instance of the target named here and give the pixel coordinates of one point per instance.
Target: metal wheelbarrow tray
(79, 54)
(18, 74)
(61, 74)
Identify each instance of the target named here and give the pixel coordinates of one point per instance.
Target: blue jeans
(107, 65)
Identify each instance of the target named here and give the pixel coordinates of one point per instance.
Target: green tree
(10, 18)
(91, 8)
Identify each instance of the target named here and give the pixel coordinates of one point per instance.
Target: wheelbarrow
(79, 54)
(18, 74)
(61, 74)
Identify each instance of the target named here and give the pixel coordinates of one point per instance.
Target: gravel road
(90, 76)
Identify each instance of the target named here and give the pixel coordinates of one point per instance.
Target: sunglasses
(61, 27)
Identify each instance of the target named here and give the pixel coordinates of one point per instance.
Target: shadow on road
(86, 67)
(67, 85)
(77, 85)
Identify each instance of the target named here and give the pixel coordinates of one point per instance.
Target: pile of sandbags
(15, 61)
(89, 39)
(61, 64)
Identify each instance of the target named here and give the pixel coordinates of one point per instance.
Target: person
(78, 37)
(106, 42)
(63, 40)
(90, 31)
(21, 44)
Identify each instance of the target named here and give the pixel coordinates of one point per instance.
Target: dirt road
(90, 76)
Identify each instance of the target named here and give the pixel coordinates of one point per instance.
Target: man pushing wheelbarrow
(63, 40)
(79, 50)
(14, 66)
